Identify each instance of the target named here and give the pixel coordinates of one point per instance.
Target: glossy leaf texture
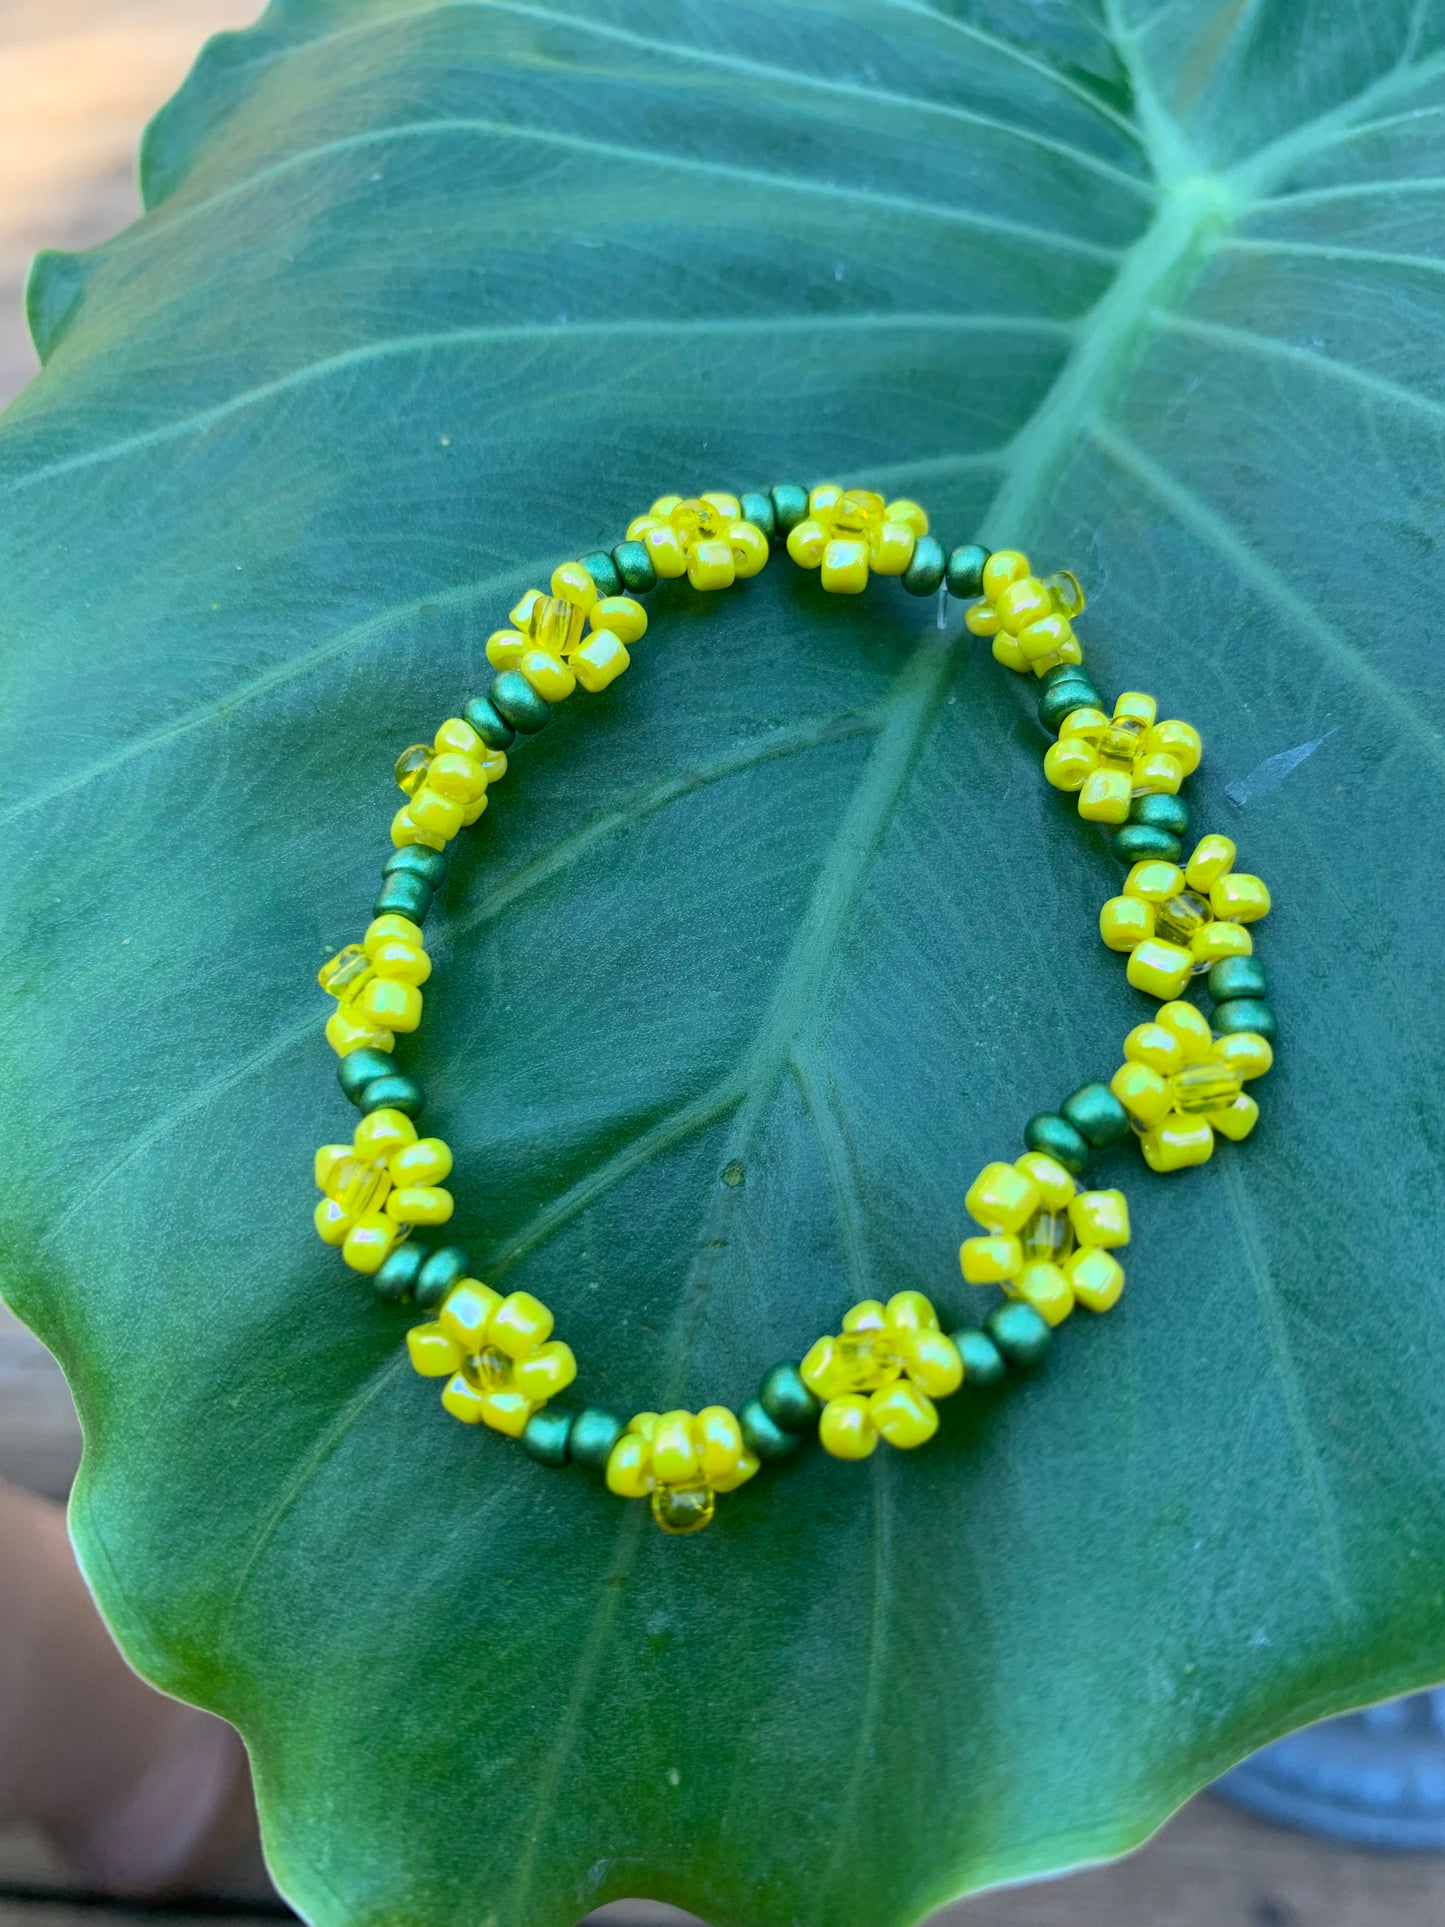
(427, 299)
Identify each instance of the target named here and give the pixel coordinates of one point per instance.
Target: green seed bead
(399, 1271)
(965, 571)
(758, 509)
(983, 1363)
(418, 861)
(1020, 1333)
(790, 507)
(1060, 699)
(439, 1273)
(1244, 1013)
(604, 572)
(545, 1435)
(787, 1400)
(1057, 1139)
(924, 574)
(493, 728)
(1230, 977)
(362, 1067)
(763, 1435)
(634, 565)
(517, 702)
(1132, 842)
(403, 895)
(593, 1435)
(392, 1093)
(1161, 812)
(1096, 1114)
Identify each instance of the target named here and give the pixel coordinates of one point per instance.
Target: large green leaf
(427, 298)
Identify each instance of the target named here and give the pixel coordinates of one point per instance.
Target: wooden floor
(77, 80)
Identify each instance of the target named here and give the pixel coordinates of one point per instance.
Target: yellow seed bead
(710, 565)
(574, 585)
(904, 1415)
(506, 648)
(600, 661)
(721, 1441)
(676, 1451)
(846, 1429)
(818, 1370)
(1157, 774)
(474, 811)
(545, 1372)
(347, 1030)
(457, 737)
(910, 1311)
(1047, 1289)
(397, 1006)
(737, 1474)
(1245, 1051)
(1135, 707)
(892, 549)
(1069, 762)
(1216, 940)
(1239, 897)
(551, 679)
(400, 962)
(329, 1160)
(405, 830)
(1179, 740)
(1213, 856)
(1191, 1028)
(1237, 1119)
(1001, 1198)
(433, 1354)
(368, 1242)
(420, 1204)
(621, 616)
(427, 1160)
(520, 1324)
(1154, 881)
(1055, 1185)
(1100, 1218)
(382, 1134)
(461, 779)
(910, 513)
(934, 1365)
(1069, 651)
(1162, 969)
(1125, 922)
(332, 1221)
(1154, 1045)
(467, 1313)
(390, 929)
(989, 1261)
(665, 504)
(1142, 1091)
(750, 549)
(1024, 602)
(845, 565)
(1095, 1277)
(464, 1400)
(436, 814)
(981, 619)
(1007, 651)
(1177, 1141)
(507, 1410)
(727, 506)
(1045, 641)
(1105, 796)
(806, 543)
(494, 763)
(1003, 567)
(1082, 722)
(869, 1314)
(629, 1468)
(827, 495)
(664, 547)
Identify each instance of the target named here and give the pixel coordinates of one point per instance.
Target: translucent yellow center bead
(343, 975)
(679, 1509)
(859, 512)
(490, 1369)
(1179, 917)
(412, 766)
(864, 1360)
(1048, 1237)
(1067, 593)
(359, 1185)
(1205, 1087)
(548, 622)
(1118, 744)
(700, 520)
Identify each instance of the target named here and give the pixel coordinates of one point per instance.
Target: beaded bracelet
(1047, 1243)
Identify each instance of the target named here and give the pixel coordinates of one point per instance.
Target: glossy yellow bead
(1190, 1027)
(750, 549)
(1239, 897)
(1082, 722)
(934, 1365)
(1154, 881)
(426, 1160)
(520, 1323)
(1125, 922)
(328, 1161)
(383, 1133)
(981, 619)
(721, 1441)
(676, 1453)
(433, 1354)
(458, 778)
(1105, 796)
(473, 811)
(332, 1221)
(664, 547)
(1095, 1278)
(1156, 773)
(710, 565)
(1177, 1141)
(1213, 856)
(845, 565)
(1100, 1218)
(1023, 602)
(988, 1261)
(737, 1474)
(869, 1314)
(551, 679)
(1162, 969)
(1142, 1091)
(457, 737)
(1155, 1045)
(396, 1006)
(1237, 1119)
(1001, 1197)
(806, 543)
(1068, 763)
(600, 661)
(506, 648)
(910, 513)
(507, 1410)
(910, 1311)
(405, 830)
(544, 1373)
(1046, 1287)
(572, 582)
(891, 549)
(1179, 740)
(620, 616)
(1044, 642)
(494, 762)
(368, 1242)
(1216, 940)
(904, 1415)
(846, 1429)
(818, 1369)
(347, 1030)
(436, 814)
(728, 506)
(1055, 1184)
(1003, 567)
(400, 962)
(467, 1311)
(464, 1400)
(1007, 651)
(1245, 1051)
(1135, 706)
(420, 1204)
(390, 929)
(824, 499)
(629, 1472)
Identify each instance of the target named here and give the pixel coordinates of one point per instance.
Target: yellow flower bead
(1055, 1185)
(571, 583)
(458, 778)
(369, 1241)
(426, 1160)
(1046, 1287)
(420, 1204)
(520, 1323)
(396, 1006)
(1100, 1218)
(1125, 923)
(332, 1222)
(1003, 567)
(1065, 1234)
(1162, 969)
(1213, 856)
(1249, 1053)
(620, 616)
(1105, 796)
(433, 1353)
(1095, 1277)
(549, 677)
(464, 1400)
(903, 1415)
(544, 1373)
(806, 543)
(348, 1030)
(401, 962)
(846, 1429)
(988, 1261)
(383, 1133)
(1239, 897)
(466, 1312)
(434, 813)
(1177, 1141)
(405, 831)
(457, 737)
(600, 661)
(629, 1467)
(1002, 1196)
(390, 929)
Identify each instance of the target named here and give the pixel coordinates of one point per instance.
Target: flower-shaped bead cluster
(497, 1355)
(377, 1187)
(1180, 1085)
(377, 986)
(704, 537)
(852, 533)
(546, 640)
(1110, 760)
(682, 1460)
(1045, 1241)
(879, 1377)
(1029, 617)
(445, 784)
(1175, 922)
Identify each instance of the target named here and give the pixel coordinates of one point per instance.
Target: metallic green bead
(517, 702)
(493, 728)
(399, 1271)
(763, 1435)
(403, 895)
(604, 572)
(634, 566)
(1057, 1139)
(545, 1435)
(1021, 1333)
(1161, 812)
(982, 1360)
(758, 509)
(418, 861)
(787, 1400)
(790, 507)
(1234, 977)
(965, 571)
(392, 1093)
(924, 574)
(362, 1067)
(1096, 1114)
(593, 1435)
(1244, 1013)
(1058, 699)
(440, 1272)
(1132, 842)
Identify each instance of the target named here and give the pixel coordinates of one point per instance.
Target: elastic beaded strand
(1045, 1239)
